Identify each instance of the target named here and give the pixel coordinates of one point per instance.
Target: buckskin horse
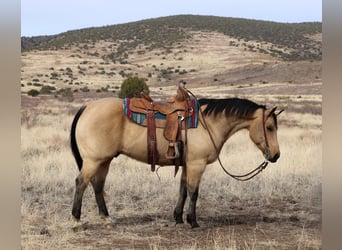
(101, 131)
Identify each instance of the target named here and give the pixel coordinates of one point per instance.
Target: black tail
(73, 142)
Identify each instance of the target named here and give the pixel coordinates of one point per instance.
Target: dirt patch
(270, 226)
(279, 227)
(259, 235)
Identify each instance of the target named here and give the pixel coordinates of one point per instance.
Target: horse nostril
(275, 157)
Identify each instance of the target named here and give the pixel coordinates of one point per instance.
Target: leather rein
(251, 174)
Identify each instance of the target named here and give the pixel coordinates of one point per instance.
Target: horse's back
(102, 113)
(110, 104)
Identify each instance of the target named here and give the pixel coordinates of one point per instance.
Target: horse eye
(269, 128)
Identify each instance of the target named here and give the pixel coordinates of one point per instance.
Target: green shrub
(85, 89)
(132, 87)
(66, 93)
(33, 92)
(46, 89)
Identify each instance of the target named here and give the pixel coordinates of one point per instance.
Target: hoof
(108, 222)
(178, 216)
(194, 224)
(179, 222)
(78, 226)
(192, 221)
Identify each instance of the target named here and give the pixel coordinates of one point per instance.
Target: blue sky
(48, 17)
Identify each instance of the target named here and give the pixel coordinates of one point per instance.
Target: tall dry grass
(287, 190)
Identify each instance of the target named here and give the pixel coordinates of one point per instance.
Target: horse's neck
(235, 125)
(222, 127)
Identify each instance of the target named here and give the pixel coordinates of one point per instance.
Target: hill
(290, 41)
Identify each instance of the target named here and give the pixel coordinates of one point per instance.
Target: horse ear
(272, 111)
(280, 111)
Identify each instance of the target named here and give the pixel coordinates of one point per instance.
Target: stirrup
(176, 155)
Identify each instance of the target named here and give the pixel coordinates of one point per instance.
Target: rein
(251, 174)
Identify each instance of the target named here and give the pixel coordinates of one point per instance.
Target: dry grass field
(279, 209)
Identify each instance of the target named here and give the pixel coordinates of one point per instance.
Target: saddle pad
(140, 118)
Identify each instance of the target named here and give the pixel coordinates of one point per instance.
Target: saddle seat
(176, 108)
(175, 104)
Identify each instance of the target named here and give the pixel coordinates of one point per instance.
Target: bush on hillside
(132, 87)
(46, 89)
(66, 94)
(33, 92)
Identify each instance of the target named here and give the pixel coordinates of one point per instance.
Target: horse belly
(135, 144)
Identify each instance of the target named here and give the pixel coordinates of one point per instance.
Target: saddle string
(244, 177)
(157, 173)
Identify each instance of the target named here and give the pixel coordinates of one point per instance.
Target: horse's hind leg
(178, 212)
(80, 187)
(98, 182)
(87, 172)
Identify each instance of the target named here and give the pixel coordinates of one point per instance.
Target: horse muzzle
(274, 158)
(271, 158)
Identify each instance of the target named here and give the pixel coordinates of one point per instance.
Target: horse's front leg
(191, 215)
(194, 175)
(178, 212)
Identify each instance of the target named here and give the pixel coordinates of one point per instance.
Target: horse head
(263, 132)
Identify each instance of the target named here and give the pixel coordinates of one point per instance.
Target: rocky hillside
(289, 41)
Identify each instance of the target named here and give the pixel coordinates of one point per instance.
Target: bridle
(268, 151)
(254, 172)
(257, 170)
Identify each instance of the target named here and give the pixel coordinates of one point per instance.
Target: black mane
(231, 106)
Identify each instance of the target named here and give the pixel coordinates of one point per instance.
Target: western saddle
(177, 111)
